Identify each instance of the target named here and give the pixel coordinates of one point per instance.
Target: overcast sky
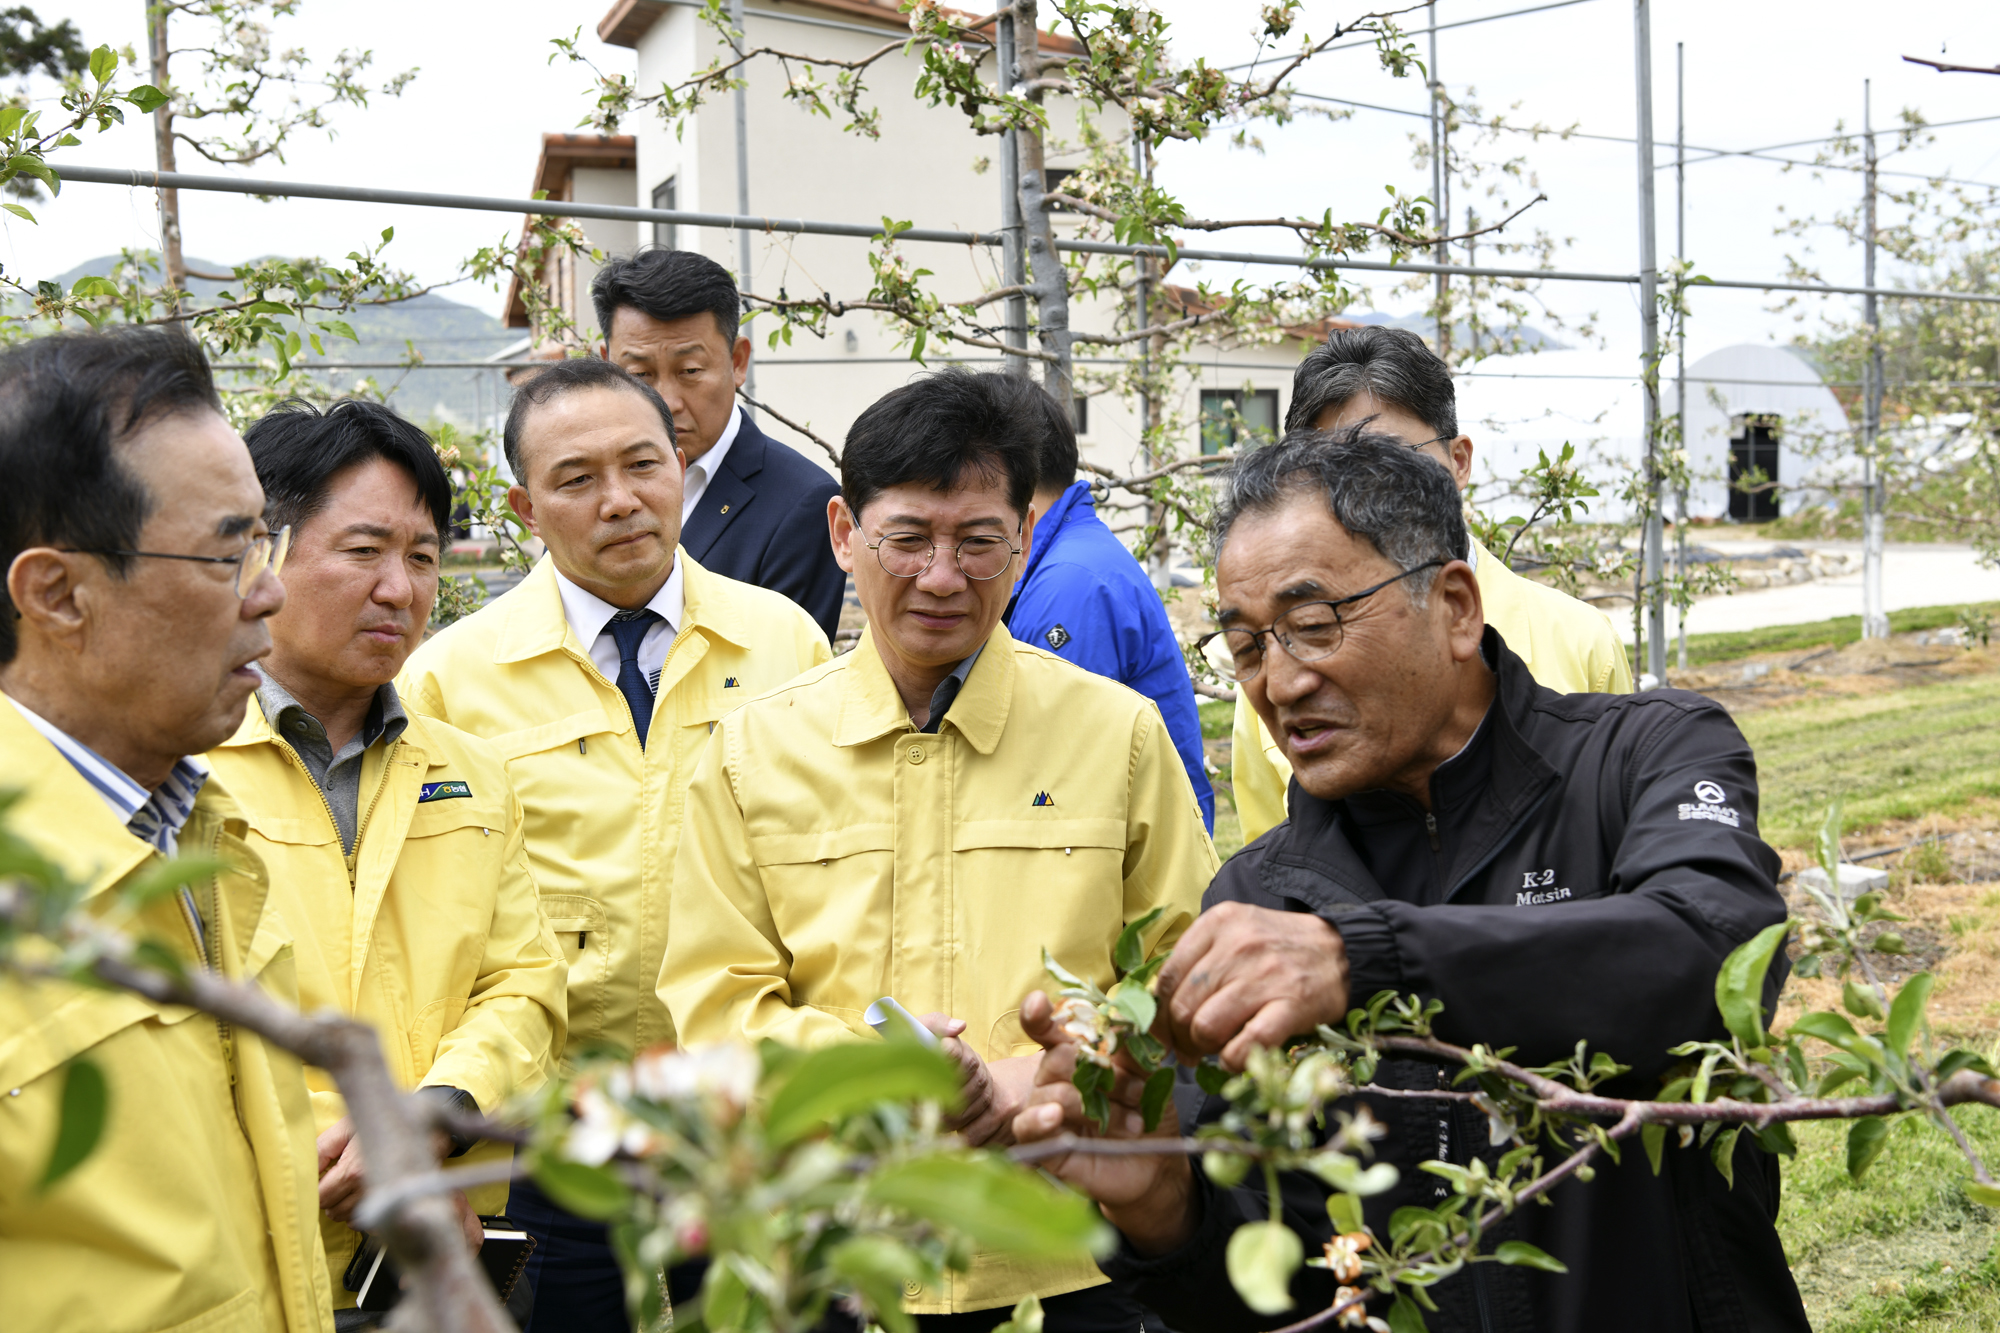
(1758, 73)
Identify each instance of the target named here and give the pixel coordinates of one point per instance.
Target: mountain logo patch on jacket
(729, 683)
(443, 791)
(1042, 798)
(1708, 804)
(1057, 637)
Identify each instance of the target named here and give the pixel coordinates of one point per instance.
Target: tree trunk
(1050, 283)
(163, 156)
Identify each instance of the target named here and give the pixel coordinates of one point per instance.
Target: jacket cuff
(1125, 1264)
(1373, 961)
(460, 1101)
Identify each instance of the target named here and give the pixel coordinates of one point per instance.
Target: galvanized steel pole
(1680, 336)
(1649, 352)
(1013, 255)
(1874, 616)
(1439, 214)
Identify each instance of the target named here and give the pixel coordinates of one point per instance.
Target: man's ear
(840, 529)
(518, 501)
(1461, 610)
(1461, 461)
(44, 585)
(739, 360)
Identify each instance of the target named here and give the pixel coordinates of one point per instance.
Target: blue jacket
(1085, 599)
(762, 520)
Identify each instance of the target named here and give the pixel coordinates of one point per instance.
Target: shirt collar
(870, 706)
(711, 462)
(386, 716)
(588, 614)
(948, 688)
(156, 817)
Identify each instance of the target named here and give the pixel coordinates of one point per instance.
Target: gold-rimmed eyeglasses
(266, 551)
(1309, 631)
(905, 555)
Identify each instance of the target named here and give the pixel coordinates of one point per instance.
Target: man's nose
(944, 577)
(620, 499)
(265, 598)
(1286, 679)
(395, 587)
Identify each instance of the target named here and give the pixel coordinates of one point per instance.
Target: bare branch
(806, 431)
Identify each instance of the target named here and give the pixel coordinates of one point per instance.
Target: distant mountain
(439, 328)
(1532, 338)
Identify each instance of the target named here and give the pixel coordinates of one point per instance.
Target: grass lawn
(1929, 749)
(1706, 648)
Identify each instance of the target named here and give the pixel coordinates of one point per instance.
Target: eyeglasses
(908, 554)
(264, 552)
(1309, 631)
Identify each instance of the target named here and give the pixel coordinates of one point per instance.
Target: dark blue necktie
(628, 630)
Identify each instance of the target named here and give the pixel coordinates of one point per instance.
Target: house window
(1052, 183)
(666, 235)
(1237, 419)
(1081, 412)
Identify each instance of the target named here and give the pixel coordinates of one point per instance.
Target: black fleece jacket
(1587, 863)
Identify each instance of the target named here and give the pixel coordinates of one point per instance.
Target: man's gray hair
(1399, 500)
(1392, 365)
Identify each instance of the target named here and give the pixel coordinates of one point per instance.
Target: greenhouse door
(1753, 470)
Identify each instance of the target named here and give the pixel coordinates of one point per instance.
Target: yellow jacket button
(912, 1288)
(916, 754)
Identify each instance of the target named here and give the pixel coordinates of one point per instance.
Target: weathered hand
(1247, 976)
(985, 1112)
(1149, 1198)
(341, 1177)
(475, 1234)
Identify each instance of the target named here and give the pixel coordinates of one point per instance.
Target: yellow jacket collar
(871, 708)
(256, 730)
(535, 622)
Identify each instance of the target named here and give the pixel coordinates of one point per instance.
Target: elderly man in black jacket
(1552, 867)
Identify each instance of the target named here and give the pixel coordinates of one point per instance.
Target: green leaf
(1723, 1153)
(1907, 1013)
(588, 1191)
(93, 286)
(1861, 1001)
(1261, 1258)
(1865, 1142)
(1889, 942)
(1406, 1316)
(1984, 1195)
(1960, 1058)
(339, 328)
(838, 1081)
(1226, 1169)
(103, 63)
(1344, 1211)
(86, 1100)
(1059, 972)
(1520, 1254)
(1835, 1031)
(725, 1299)
(1829, 845)
(19, 212)
(164, 877)
(1777, 1140)
(1134, 1005)
(1159, 1095)
(994, 1204)
(878, 1267)
(1739, 986)
(1212, 1078)
(146, 97)
(1027, 1317)
(1130, 951)
(1654, 1137)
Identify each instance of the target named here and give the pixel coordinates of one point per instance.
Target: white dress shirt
(702, 470)
(589, 618)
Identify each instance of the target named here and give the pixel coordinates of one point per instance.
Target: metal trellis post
(1874, 618)
(1649, 352)
(743, 280)
(1013, 257)
(1680, 336)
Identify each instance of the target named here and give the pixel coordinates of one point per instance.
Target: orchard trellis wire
(1156, 260)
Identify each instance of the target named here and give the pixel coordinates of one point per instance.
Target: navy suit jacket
(762, 520)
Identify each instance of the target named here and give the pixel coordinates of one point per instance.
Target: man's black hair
(1399, 500)
(573, 375)
(1055, 437)
(67, 404)
(1394, 365)
(945, 431)
(299, 450)
(668, 285)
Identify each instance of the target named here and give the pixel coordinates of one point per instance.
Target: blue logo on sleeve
(443, 791)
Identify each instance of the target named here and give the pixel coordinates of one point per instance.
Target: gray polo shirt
(338, 776)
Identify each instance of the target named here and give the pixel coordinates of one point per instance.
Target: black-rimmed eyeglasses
(1309, 631)
(264, 552)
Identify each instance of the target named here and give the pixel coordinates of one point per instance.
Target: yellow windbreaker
(433, 933)
(834, 855)
(198, 1209)
(1568, 645)
(603, 817)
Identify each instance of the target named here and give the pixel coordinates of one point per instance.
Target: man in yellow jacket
(139, 578)
(920, 818)
(1389, 378)
(394, 842)
(598, 679)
